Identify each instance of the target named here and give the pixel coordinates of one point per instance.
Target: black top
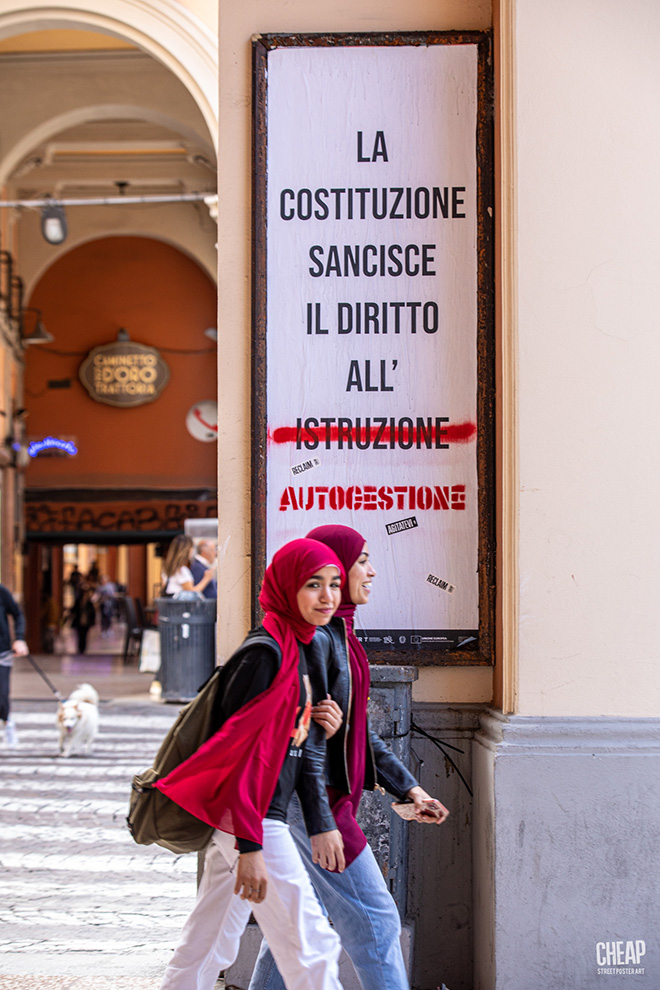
(11, 607)
(254, 674)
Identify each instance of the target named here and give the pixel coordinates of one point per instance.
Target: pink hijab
(229, 782)
(347, 543)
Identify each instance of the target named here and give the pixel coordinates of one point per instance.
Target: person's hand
(329, 715)
(328, 850)
(427, 809)
(251, 877)
(20, 648)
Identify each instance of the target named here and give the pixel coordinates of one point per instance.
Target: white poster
(371, 323)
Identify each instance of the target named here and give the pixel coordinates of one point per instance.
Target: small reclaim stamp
(443, 585)
(297, 469)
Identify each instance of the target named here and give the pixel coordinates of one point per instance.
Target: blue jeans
(364, 916)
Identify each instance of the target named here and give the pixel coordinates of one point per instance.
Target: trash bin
(187, 645)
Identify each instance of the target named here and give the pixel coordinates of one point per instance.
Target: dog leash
(42, 673)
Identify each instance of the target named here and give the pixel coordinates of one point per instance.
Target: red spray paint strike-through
(451, 433)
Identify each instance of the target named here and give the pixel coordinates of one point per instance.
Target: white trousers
(305, 947)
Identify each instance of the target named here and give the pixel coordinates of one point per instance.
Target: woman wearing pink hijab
(241, 781)
(357, 899)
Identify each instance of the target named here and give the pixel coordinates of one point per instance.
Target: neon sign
(51, 443)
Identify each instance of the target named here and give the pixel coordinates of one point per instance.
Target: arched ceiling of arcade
(90, 116)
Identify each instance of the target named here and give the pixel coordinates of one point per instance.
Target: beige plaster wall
(205, 10)
(588, 129)
(449, 684)
(238, 22)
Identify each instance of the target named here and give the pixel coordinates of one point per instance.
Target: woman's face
(320, 595)
(359, 578)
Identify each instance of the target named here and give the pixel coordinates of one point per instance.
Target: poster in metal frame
(373, 323)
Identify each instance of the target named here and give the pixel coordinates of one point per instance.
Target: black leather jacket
(248, 672)
(330, 673)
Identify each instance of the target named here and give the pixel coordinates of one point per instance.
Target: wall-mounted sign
(124, 374)
(202, 421)
(153, 516)
(373, 291)
(53, 446)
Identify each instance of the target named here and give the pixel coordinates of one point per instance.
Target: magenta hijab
(230, 781)
(290, 568)
(347, 543)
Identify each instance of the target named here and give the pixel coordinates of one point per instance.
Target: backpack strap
(258, 637)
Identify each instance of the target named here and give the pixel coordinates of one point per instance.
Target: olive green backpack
(155, 818)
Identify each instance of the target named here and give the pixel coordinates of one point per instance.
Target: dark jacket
(330, 673)
(245, 675)
(9, 607)
(198, 570)
(83, 613)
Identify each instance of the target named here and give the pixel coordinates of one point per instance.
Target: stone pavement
(82, 905)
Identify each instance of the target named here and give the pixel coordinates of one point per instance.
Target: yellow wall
(53, 41)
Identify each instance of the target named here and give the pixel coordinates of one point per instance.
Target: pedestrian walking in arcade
(10, 646)
(241, 781)
(83, 614)
(177, 576)
(357, 899)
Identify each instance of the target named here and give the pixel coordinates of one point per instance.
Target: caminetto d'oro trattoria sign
(124, 374)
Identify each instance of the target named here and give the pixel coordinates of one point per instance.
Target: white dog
(78, 721)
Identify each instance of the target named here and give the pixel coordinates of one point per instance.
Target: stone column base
(566, 861)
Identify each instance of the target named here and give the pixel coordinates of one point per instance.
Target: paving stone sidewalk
(83, 906)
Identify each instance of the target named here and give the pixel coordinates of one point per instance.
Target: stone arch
(162, 28)
(54, 125)
(138, 231)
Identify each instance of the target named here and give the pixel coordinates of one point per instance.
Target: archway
(54, 125)
(133, 469)
(163, 29)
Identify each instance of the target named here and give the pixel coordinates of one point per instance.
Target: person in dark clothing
(83, 615)
(205, 558)
(75, 577)
(241, 782)
(106, 596)
(10, 646)
(93, 574)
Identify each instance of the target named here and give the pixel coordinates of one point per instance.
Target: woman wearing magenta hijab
(357, 899)
(241, 781)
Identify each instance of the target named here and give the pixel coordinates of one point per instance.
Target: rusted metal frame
(486, 349)
(372, 39)
(259, 407)
(483, 653)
